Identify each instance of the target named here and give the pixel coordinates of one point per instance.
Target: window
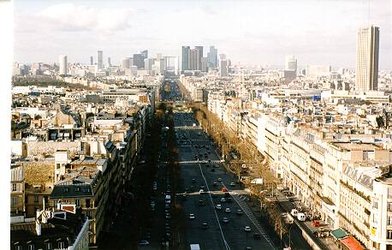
(13, 187)
(48, 245)
(389, 206)
(60, 244)
(35, 198)
(87, 203)
(389, 234)
(77, 202)
(30, 247)
(389, 221)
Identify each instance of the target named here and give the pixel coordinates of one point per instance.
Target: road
(195, 152)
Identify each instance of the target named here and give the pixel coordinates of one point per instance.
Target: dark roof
(54, 231)
(71, 191)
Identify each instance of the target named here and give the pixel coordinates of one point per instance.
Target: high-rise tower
(100, 59)
(63, 65)
(367, 59)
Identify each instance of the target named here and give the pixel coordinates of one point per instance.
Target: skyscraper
(63, 66)
(194, 60)
(223, 71)
(290, 63)
(199, 57)
(138, 59)
(109, 62)
(185, 57)
(91, 60)
(367, 59)
(100, 59)
(212, 57)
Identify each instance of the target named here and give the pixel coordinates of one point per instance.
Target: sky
(249, 32)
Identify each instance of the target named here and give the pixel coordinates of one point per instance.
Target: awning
(351, 243)
(339, 233)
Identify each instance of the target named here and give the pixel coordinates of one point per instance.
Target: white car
(218, 206)
(144, 243)
(225, 219)
(247, 229)
(192, 216)
(227, 210)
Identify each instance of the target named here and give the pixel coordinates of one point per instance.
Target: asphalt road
(200, 168)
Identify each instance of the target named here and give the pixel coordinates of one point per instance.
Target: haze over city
(251, 32)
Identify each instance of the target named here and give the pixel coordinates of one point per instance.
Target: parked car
(247, 229)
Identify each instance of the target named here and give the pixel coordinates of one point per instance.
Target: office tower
(63, 67)
(290, 69)
(194, 60)
(290, 63)
(223, 71)
(204, 64)
(148, 63)
(171, 64)
(100, 59)
(91, 60)
(186, 50)
(109, 62)
(144, 53)
(200, 56)
(126, 63)
(367, 59)
(138, 59)
(212, 57)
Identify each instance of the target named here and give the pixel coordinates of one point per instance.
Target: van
(301, 216)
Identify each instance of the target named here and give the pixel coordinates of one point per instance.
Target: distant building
(194, 59)
(290, 63)
(91, 60)
(138, 59)
(63, 65)
(185, 58)
(204, 64)
(367, 59)
(223, 70)
(126, 63)
(100, 59)
(212, 57)
(109, 62)
(200, 56)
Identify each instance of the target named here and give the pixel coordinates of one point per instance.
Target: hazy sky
(249, 32)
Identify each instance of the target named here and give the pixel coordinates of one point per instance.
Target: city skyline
(251, 33)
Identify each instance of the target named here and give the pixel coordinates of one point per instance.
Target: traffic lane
(204, 213)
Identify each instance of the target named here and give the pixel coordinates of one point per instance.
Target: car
(223, 200)
(218, 206)
(256, 236)
(215, 184)
(220, 179)
(248, 248)
(247, 229)
(144, 243)
(201, 191)
(193, 180)
(239, 212)
(191, 216)
(227, 210)
(204, 225)
(232, 184)
(225, 219)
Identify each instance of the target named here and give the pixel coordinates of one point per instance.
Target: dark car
(256, 236)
